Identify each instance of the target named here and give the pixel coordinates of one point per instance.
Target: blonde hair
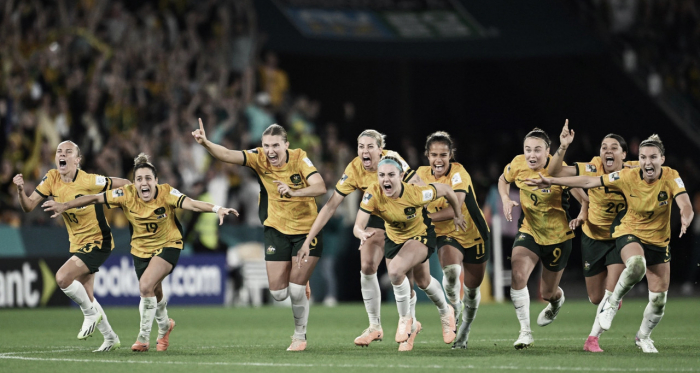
(141, 161)
(654, 140)
(379, 137)
(276, 130)
(389, 158)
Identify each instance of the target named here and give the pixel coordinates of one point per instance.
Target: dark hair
(654, 140)
(539, 133)
(142, 162)
(441, 137)
(276, 130)
(620, 139)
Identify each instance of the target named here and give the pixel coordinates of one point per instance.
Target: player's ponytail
(539, 133)
(654, 140)
(440, 137)
(141, 161)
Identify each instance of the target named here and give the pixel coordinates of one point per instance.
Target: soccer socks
(280, 295)
(596, 331)
(472, 298)
(635, 271)
(434, 292)
(451, 283)
(162, 318)
(372, 296)
(300, 309)
(652, 314)
(103, 326)
(521, 302)
(76, 292)
(412, 306)
(147, 309)
(402, 294)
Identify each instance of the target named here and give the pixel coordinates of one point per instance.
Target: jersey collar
(155, 195)
(401, 194)
(547, 164)
(76, 175)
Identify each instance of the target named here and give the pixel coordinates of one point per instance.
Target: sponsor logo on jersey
(591, 168)
(366, 198)
(614, 176)
(116, 193)
(679, 182)
(175, 192)
(342, 179)
(428, 195)
(270, 250)
(456, 179)
(296, 179)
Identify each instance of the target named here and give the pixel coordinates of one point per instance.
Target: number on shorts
(480, 249)
(423, 240)
(534, 199)
(557, 255)
(151, 227)
(668, 251)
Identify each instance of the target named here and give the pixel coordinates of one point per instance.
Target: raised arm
(504, 192)
(585, 182)
(201, 206)
(217, 151)
(687, 213)
(316, 188)
(321, 220)
(444, 190)
(28, 203)
(556, 167)
(59, 208)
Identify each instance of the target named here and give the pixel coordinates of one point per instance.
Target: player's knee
(519, 276)
(62, 280)
(146, 290)
(396, 276)
(658, 301)
(451, 272)
(368, 267)
(280, 295)
(297, 292)
(595, 299)
(637, 267)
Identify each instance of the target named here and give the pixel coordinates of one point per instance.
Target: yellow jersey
(545, 211)
(289, 215)
(648, 212)
(357, 177)
(461, 182)
(403, 217)
(84, 224)
(153, 224)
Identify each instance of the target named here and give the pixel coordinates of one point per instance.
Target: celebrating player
(643, 234)
(409, 242)
(287, 209)
(359, 174)
(89, 234)
(468, 248)
(602, 265)
(544, 234)
(156, 239)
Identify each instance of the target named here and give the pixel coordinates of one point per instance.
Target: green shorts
(375, 222)
(476, 254)
(597, 255)
(280, 247)
(554, 257)
(93, 255)
(652, 254)
(392, 248)
(169, 254)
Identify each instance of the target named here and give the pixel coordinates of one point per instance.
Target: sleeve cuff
(339, 192)
(40, 193)
(309, 175)
(362, 209)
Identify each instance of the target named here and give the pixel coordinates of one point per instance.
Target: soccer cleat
(449, 326)
(140, 347)
(89, 325)
(607, 314)
(646, 344)
(371, 334)
(548, 314)
(163, 343)
(591, 344)
(524, 340)
(109, 345)
(462, 337)
(308, 291)
(404, 329)
(408, 345)
(297, 345)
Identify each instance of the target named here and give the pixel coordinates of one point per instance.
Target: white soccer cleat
(109, 345)
(647, 345)
(607, 314)
(462, 337)
(524, 340)
(89, 325)
(549, 313)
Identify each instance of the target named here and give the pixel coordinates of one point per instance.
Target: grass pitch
(210, 339)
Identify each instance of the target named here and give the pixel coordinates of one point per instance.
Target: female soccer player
(289, 183)
(643, 234)
(156, 239)
(544, 234)
(359, 174)
(468, 248)
(602, 265)
(88, 232)
(409, 242)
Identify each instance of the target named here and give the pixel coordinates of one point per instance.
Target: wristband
(215, 209)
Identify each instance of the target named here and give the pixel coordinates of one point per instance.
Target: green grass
(254, 340)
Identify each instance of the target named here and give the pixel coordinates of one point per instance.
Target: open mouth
(532, 163)
(649, 170)
(366, 160)
(388, 188)
(273, 158)
(62, 164)
(609, 161)
(439, 168)
(145, 192)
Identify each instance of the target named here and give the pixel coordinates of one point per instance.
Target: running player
(642, 232)
(543, 234)
(289, 182)
(156, 239)
(602, 265)
(409, 242)
(468, 248)
(359, 174)
(88, 232)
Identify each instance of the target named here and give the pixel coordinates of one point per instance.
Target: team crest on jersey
(79, 208)
(342, 179)
(160, 211)
(410, 212)
(587, 265)
(116, 193)
(630, 238)
(591, 168)
(521, 237)
(366, 198)
(614, 176)
(270, 250)
(663, 196)
(296, 179)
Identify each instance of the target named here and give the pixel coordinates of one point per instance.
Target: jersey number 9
(151, 227)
